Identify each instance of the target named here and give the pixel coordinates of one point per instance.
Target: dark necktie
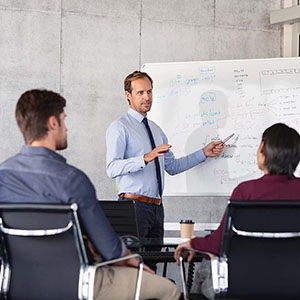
(158, 175)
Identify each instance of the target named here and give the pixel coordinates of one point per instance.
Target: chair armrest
(210, 255)
(218, 269)
(123, 258)
(140, 269)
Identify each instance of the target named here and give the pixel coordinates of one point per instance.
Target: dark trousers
(150, 221)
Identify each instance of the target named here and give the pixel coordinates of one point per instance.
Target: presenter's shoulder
(121, 121)
(154, 125)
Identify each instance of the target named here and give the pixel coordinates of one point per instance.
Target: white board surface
(198, 102)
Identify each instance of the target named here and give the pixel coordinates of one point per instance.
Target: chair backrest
(42, 251)
(261, 245)
(122, 217)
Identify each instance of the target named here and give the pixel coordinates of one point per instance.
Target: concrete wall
(84, 48)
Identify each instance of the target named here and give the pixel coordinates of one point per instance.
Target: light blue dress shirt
(127, 141)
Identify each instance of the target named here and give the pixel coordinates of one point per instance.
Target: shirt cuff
(195, 242)
(140, 163)
(123, 250)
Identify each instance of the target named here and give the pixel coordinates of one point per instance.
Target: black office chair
(43, 254)
(260, 252)
(122, 217)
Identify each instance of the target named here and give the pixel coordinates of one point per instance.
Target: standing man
(138, 153)
(39, 174)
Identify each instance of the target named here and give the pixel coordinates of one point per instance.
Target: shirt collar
(133, 113)
(275, 178)
(29, 150)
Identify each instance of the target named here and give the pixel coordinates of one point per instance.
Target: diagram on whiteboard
(198, 102)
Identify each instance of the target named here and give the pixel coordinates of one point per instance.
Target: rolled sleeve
(123, 248)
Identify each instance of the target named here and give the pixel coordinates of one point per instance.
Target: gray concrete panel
(46, 5)
(218, 207)
(29, 59)
(194, 12)
(127, 9)
(201, 209)
(168, 42)
(242, 44)
(249, 14)
(26, 51)
(97, 55)
(195, 208)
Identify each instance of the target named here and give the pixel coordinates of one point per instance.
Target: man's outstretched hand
(213, 149)
(156, 152)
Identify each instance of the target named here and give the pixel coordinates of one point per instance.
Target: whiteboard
(198, 102)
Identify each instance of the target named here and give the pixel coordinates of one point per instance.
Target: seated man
(38, 174)
(277, 156)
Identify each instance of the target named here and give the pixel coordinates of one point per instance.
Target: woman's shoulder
(250, 183)
(245, 189)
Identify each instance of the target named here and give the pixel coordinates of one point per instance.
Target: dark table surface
(133, 242)
(156, 249)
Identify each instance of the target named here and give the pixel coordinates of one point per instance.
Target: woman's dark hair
(281, 149)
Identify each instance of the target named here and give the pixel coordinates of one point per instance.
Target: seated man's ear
(52, 123)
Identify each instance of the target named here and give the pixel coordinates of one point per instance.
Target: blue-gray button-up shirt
(127, 141)
(40, 175)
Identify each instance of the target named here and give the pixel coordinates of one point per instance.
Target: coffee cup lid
(186, 222)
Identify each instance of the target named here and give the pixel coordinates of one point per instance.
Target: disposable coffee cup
(186, 229)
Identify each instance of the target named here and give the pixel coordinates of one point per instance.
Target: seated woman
(277, 156)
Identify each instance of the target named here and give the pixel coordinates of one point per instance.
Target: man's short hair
(281, 149)
(33, 110)
(134, 76)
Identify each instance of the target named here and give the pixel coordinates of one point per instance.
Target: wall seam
(19, 9)
(281, 51)
(213, 25)
(212, 53)
(60, 48)
(140, 35)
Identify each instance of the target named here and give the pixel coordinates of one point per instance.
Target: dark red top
(268, 187)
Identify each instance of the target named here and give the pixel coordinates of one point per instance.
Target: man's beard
(62, 146)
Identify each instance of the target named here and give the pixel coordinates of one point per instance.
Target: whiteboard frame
(145, 65)
(220, 61)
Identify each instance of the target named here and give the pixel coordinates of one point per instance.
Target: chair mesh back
(262, 268)
(45, 267)
(121, 215)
